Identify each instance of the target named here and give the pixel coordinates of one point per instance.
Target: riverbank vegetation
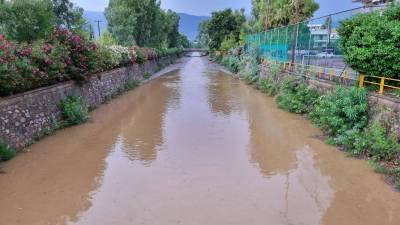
(55, 43)
(343, 114)
(74, 110)
(6, 153)
(45, 42)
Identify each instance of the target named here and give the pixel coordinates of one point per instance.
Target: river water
(192, 147)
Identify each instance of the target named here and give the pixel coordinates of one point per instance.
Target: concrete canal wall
(25, 116)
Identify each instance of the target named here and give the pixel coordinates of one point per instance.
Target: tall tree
(142, 22)
(223, 25)
(268, 14)
(26, 20)
(68, 15)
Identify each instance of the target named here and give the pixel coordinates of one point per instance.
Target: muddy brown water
(193, 147)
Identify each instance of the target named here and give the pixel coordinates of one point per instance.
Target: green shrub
(341, 110)
(74, 111)
(370, 42)
(268, 86)
(6, 153)
(146, 75)
(378, 144)
(131, 84)
(295, 96)
(249, 68)
(231, 62)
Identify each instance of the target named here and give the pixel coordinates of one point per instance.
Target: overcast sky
(205, 7)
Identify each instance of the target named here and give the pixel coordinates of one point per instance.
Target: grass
(6, 153)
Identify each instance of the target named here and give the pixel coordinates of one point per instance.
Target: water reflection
(142, 134)
(173, 152)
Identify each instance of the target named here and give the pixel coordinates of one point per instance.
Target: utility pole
(98, 26)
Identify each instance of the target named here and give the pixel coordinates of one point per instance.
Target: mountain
(188, 23)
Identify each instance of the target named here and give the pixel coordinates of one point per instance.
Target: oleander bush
(64, 56)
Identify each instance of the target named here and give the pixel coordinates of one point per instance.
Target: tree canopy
(30, 20)
(144, 23)
(223, 25)
(274, 13)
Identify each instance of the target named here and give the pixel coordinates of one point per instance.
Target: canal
(192, 147)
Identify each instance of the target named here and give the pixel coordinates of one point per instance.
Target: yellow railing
(382, 82)
(342, 76)
(310, 71)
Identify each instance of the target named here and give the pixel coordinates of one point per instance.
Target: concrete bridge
(195, 50)
(202, 52)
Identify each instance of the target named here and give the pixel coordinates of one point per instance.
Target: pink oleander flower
(47, 60)
(27, 52)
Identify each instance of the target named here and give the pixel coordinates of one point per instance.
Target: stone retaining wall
(25, 116)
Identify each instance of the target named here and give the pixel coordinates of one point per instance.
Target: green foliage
(146, 75)
(69, 16)
(131, 84)
(370, 42)
(6, 153)
(231, 62)
(270, 14)
(143, 23)
(224, 25)
(249, 67)
(268, 86)
(295, 96)
(106, 39)
(26, 20)
(341, 110)
(228, 44)
(378, 144)
(74, 111)
(271, 84)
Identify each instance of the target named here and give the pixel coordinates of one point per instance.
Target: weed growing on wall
(6, 153)
(74, 111)
(131, 84)
(146, 75)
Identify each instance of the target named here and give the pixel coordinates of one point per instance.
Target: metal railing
(311, 48)
(339, 76)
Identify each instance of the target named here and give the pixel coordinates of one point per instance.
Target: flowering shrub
(81, 60)
(120, 55)
(14, 68)
(61, 57)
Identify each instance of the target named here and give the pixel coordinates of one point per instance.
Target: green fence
(313, 42)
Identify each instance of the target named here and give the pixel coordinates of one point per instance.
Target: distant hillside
(188, 23)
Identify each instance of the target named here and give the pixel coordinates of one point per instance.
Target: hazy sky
(205, 7)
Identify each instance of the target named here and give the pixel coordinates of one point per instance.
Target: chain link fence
(314, 42)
